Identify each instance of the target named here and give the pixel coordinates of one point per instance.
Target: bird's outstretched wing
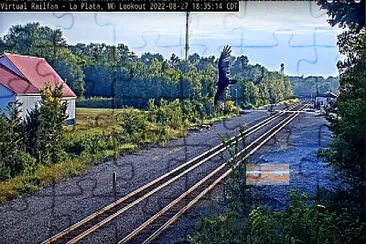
(224, 66)
(224, 63)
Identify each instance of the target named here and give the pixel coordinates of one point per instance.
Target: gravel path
(35, 218)
(296, 145)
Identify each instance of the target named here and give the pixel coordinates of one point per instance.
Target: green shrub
(42, 127)
(299, 223)
(230, 108)
(222, 229)
(132, 121)
(13, 157)
(304, 224)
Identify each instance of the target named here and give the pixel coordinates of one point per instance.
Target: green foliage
(313, 85)
(299, 223)
(345, 13)
(243, 221)
(230, 108)
(169, 114)
(346, 152)
(43, 127)
(222, 229)
(253, 90)
(69, 68)
(101, 70)
(304, 224)
(40, 142)
(13, 156)
(134, 123)
(36, 139)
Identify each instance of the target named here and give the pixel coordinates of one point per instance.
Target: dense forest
(120, 77)
(313, 85)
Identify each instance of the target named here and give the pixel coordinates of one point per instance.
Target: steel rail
(279, 127)
(208, 154)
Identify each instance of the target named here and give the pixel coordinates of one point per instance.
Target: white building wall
(70, 111)
(28, 103)
(6, 96)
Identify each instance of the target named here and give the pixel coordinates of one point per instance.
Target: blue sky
(269, 33)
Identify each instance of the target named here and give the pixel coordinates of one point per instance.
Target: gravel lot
(35, 218)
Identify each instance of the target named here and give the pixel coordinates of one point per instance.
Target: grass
(90, 121)
(94, 122)
(284, 102)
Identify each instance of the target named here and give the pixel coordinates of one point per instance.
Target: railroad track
(93, 222)
(154, 226)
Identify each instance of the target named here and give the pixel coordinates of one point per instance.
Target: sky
(268, 33)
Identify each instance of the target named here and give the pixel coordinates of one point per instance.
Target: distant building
(22, 78)
(325, 99)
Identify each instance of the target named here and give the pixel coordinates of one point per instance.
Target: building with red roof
(22, 77)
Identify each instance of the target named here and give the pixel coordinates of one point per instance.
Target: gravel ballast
(296, 146)
(33, 219)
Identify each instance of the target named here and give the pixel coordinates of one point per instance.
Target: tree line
(116, 72)
(312, 86)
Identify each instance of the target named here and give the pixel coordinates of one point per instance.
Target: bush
(166, 114)
(35, 140)
(13, 157)
(305, 224)
(230, 108)
(42, 127)
(299, 223)
(132, 121)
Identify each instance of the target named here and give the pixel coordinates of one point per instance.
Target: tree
(68, 68)
(173, 61)
(148, 57)
(42, 128)
(346, 151)
(2, 45)
(13, 156)
(22, 38)
(53, 38)
(345, 13)
(194, 58)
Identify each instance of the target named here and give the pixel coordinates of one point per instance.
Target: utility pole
(236, 97)
(187, 38)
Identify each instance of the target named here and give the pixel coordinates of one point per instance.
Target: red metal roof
(15, 83)
(37, 71)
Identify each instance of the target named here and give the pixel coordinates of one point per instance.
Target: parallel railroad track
(91, 223)
(154, 226)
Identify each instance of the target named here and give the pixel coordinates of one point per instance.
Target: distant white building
(324, 99)
(22, 78)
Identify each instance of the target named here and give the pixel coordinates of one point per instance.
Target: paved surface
(36, 218)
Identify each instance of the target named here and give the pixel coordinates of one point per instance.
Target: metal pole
(115, 186)
(187, 33)
(236, 96)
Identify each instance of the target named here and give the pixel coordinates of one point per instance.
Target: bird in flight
(224, 78)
